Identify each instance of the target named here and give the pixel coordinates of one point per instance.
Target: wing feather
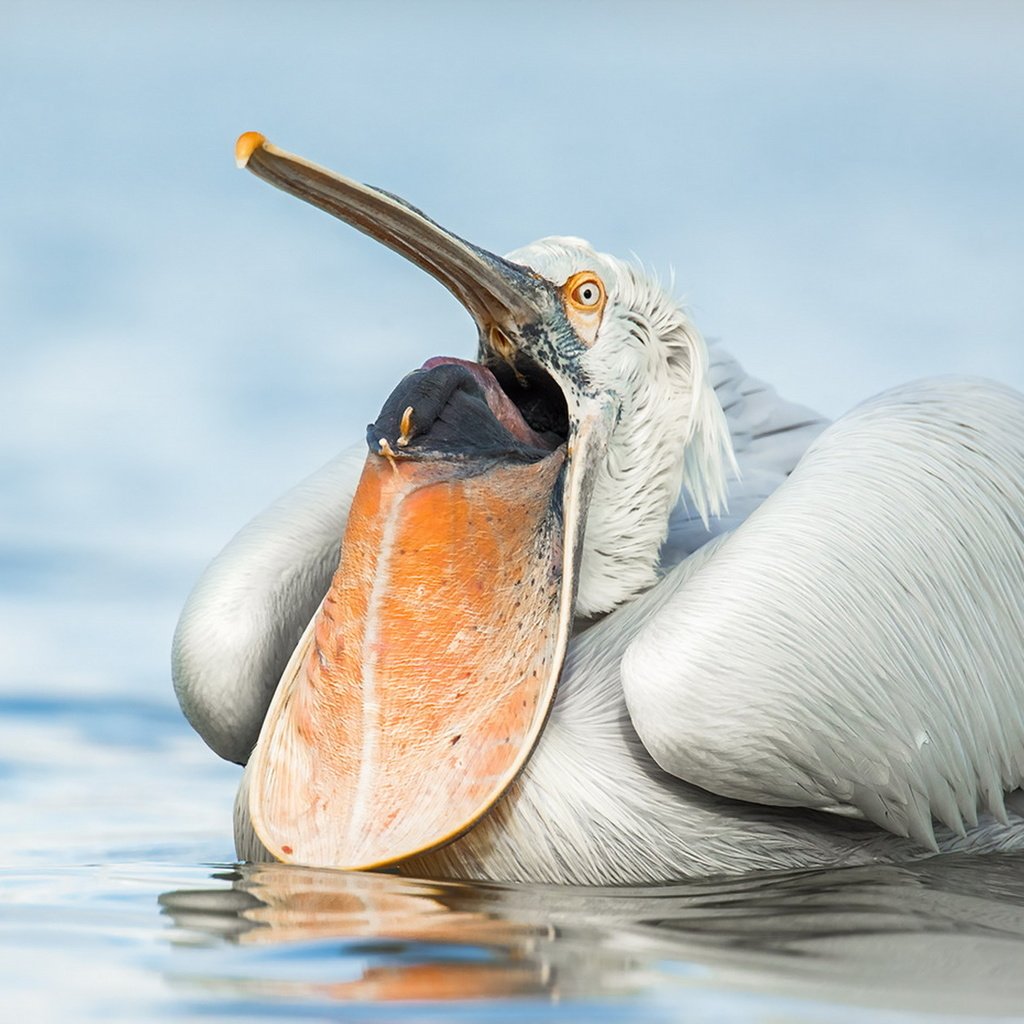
(856, 645)
(769, 436)
(248, 610)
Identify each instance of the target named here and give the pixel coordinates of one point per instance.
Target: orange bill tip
(247, 144)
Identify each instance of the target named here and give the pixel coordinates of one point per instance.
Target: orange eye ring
(585, 292)
(584, 297)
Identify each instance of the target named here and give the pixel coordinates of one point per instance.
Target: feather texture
(248, 610)
(855, 646)
(769, 436)
(849, 640)
(672, 435)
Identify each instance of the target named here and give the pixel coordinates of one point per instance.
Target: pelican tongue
(423, 682)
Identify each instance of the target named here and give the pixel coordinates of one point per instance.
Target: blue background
(836, 188)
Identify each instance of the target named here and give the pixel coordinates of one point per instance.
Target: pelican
(609, 611)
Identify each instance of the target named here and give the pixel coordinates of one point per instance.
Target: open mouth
(535, 395)
(425, 679)
(422, 684)
(453, 407)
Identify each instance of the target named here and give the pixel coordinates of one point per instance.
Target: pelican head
(498, 500)
(670, 432)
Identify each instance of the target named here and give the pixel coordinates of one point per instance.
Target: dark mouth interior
(535, 394)
(454, 407)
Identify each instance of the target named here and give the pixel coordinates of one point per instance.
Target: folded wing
(856, 645)
(769, 435)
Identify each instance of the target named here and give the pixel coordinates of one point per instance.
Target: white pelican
(846, 639)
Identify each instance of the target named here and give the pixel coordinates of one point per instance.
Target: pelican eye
(584, 298)
(585, 291)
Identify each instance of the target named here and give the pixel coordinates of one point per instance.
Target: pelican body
(609, 611)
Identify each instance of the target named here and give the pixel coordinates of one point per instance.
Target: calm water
(838, 190)
(120, 902)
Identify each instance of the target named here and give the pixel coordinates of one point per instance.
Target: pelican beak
(423, 683)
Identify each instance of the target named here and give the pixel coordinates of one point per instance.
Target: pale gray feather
(769, 436)
(244, 617)
(855, 645)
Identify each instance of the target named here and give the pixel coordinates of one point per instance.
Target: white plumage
(850, 645)
(855, 646)
(672, 432)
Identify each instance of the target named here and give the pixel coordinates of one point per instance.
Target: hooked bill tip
(247, 144)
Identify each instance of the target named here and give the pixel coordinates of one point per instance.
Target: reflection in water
(945, 934)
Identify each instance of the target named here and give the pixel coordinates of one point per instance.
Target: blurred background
(836, 188)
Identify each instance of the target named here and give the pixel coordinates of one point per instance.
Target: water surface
(838, 189)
